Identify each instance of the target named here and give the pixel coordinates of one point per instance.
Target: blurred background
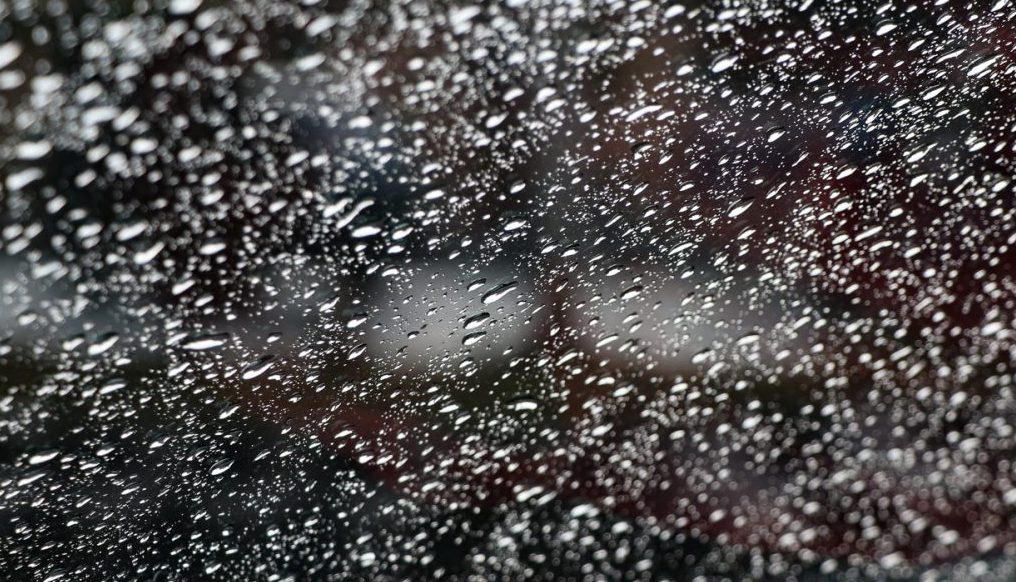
(506, 290)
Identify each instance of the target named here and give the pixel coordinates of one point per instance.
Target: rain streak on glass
(520, 289)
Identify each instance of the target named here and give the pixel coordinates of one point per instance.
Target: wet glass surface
(575, 289)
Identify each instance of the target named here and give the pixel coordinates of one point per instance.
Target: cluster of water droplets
(528, 289)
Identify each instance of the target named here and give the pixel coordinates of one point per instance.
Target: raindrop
(723, 63)
(498, 292)
(221, 467)
(523, 404)
(205, 341)
(476, 321)
(257, 367)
